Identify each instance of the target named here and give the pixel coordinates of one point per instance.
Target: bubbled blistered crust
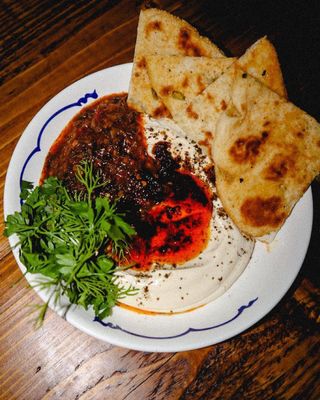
(265, 156)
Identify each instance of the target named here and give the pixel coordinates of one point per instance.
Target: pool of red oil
(181, 227)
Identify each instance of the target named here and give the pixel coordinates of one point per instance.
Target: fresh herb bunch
(65, 236)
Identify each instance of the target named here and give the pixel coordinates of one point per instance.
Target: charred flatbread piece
(198, 116)
(178, 79)
(160, 32)
(261, 61)
(266, 153)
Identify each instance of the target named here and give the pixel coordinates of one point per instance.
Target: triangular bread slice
(178, 79)
(266, 153)
(198, 118)
(160, 32)
(261, 61)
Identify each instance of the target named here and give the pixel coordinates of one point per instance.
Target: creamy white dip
(169, 289)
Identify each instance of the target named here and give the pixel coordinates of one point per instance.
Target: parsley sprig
(73, 239)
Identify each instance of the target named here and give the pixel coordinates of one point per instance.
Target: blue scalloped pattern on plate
(79, 103)
(189, 330)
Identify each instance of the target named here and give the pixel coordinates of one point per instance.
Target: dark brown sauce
(169, 207)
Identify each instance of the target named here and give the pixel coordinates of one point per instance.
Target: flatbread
(198, 117)
(266, 153)
(261, 61)
(160, 32)
(178, 79)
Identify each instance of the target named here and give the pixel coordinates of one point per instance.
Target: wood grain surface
(47, 45)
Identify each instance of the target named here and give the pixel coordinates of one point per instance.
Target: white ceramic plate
(266, 279)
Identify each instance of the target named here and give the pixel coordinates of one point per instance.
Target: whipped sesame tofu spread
(170, 288)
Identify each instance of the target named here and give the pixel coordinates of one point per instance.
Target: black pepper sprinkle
(244, 75)
(220, 279)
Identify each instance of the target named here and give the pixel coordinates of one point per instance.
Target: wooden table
(47, 46)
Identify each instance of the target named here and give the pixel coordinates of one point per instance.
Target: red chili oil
(181, 229)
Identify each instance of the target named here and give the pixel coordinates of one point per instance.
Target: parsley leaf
(73, 239)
